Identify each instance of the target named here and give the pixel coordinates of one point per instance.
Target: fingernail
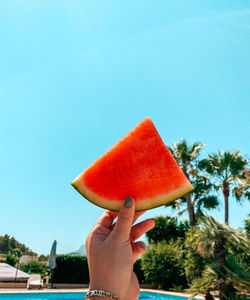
(128, 202)
(142, 246)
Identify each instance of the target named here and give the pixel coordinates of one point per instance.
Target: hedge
(71, 269)
(74, 269)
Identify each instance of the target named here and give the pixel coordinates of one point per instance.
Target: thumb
(124, 220)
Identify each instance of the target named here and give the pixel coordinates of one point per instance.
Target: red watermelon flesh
(139, 166)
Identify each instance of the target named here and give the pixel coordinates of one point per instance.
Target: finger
(125, 219)
(104, 222)
(137, 215)
(139, 229)
(106, 219)
(138, 248)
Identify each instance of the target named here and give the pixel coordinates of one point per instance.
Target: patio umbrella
(52, 256)
(52, 260)
(9, 273)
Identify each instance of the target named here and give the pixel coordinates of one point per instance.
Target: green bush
(162, 265)
(167, 229)
(71, 269)
(35, 267)
(193, 263)
(10, 259)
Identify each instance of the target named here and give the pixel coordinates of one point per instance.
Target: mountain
(80, 251)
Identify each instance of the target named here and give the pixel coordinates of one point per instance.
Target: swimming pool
(80, 296)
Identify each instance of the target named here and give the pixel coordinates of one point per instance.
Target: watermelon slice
(139, 166)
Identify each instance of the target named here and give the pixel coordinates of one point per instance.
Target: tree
(4, 244)
(10, 259)
(225, 269)
(187, 156)
(167, 229)
(43, 257)
(229, 169)
(16, 252)
(35, 267)
(236, 273)
(8, 244)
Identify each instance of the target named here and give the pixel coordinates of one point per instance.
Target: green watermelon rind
(140, 205)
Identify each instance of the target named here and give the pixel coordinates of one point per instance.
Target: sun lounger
(35, 281)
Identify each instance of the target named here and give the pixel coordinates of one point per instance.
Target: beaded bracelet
(101, 293)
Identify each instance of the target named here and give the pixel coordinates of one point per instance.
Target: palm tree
(187, 156)
(247, 226)
(229, 169)
(226, 270)
(204, 285)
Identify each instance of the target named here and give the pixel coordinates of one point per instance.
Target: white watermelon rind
(140, 205)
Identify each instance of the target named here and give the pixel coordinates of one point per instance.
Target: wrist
(96, 298)
(104, 287)
(100, 293)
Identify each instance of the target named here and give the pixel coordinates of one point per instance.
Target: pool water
(80, 296)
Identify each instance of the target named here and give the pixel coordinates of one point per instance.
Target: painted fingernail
(128, 202)
(142, 246)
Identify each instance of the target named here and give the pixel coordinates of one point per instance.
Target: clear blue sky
(75, 76)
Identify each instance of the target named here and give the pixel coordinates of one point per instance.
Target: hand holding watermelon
(112, 250)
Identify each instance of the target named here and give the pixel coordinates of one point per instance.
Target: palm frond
(237, 271)
(240, 192)
(209, 202)
(208, 282)
(237, 163)
(180, 213)
(210, 165)
(184, 153)
(195, 149)
(224, 164)
(211, 231)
